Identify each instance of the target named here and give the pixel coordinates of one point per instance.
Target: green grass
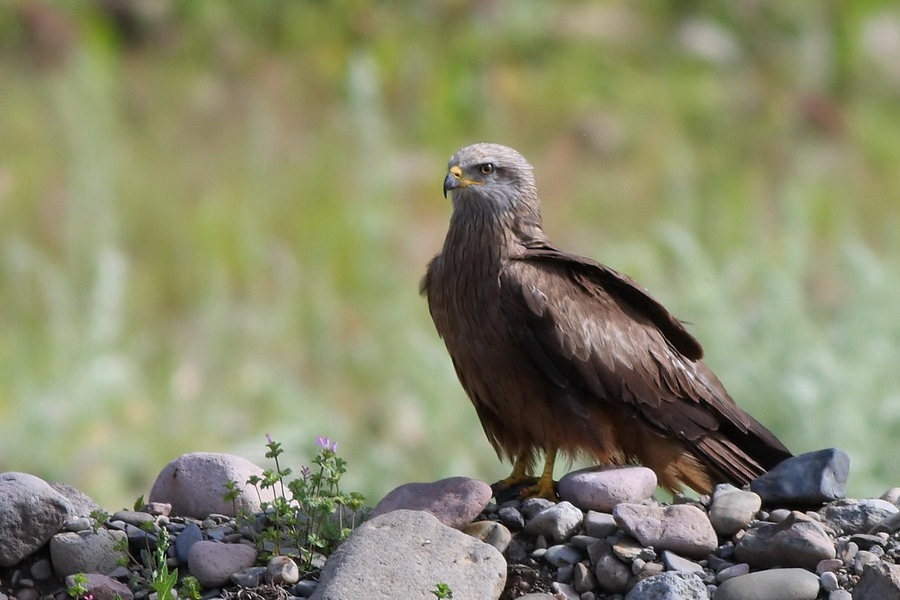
(219, 232)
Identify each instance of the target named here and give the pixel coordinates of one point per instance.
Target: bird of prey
(560, 353)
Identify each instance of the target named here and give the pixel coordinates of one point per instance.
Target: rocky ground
(790, 536)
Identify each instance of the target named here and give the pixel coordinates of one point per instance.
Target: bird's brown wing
(598, 336)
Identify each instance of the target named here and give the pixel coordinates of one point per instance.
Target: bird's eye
(487, 168)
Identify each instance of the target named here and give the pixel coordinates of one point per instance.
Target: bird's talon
(543, 488)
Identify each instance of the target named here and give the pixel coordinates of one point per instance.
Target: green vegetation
(317, 516)
(442, 590)
(214, 216)
(78, 589)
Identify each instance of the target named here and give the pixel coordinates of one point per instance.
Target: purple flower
(268, 439)
(325, 443)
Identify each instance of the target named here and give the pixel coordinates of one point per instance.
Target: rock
(455, 501)
(532, 506)
(851, 516)
(102, 587)
(135, 518)
(775, 584)
(674, 562)
(41, 569)
(213, 563)
(808, 479)
(250, 577)
(612, 574)
(601, 488)
(564, 591)
(82, 505)
(681, 528)
(791, 543)
(599, 525)
(282, 570)
(863, 559)
(732, 571)
(892, 495)
(194, 484)
(490, 532)
(403, 554)
(840, 595)
(86, 551)
(583, 579)
(189, 536)
(563, 554)
(31, 512)
(305, 588)
(558, 521)
(627, 549)
(674, 585)
(512, 518)
(732, 509)
(879, 582)
(829, 581)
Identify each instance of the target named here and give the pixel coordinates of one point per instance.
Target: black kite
(561, 353)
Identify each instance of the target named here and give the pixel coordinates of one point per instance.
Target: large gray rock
(86, 551)
(673, 585)
(681, 528)
(455, 501)
(851, 516)
(403, 554)
(791, 543)
(31, 512)
(880, 581)
(194, 484)
(808, 479)
(213, 563)
(775, 584)
(601, 488)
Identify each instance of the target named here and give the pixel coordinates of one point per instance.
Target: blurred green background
(214, 216)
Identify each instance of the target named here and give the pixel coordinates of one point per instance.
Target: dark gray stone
(31, 512)
(189, 536)
(805, 480)
(879, 582)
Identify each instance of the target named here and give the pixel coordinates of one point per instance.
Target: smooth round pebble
(490, 532)
(601, 488)
(774, 584)
(282, 569)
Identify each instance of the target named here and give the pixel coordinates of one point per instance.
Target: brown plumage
(561, 353)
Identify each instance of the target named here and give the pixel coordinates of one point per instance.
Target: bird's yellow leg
(519, 473)
(544, 487)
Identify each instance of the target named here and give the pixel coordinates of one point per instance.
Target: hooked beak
(453, 179)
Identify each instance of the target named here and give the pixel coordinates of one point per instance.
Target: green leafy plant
(98, 517)
(442, 591)
(78, 589)
(190, 588)
(154, 569)
(308, 514)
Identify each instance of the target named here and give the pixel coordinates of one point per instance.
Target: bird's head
(491, 177)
